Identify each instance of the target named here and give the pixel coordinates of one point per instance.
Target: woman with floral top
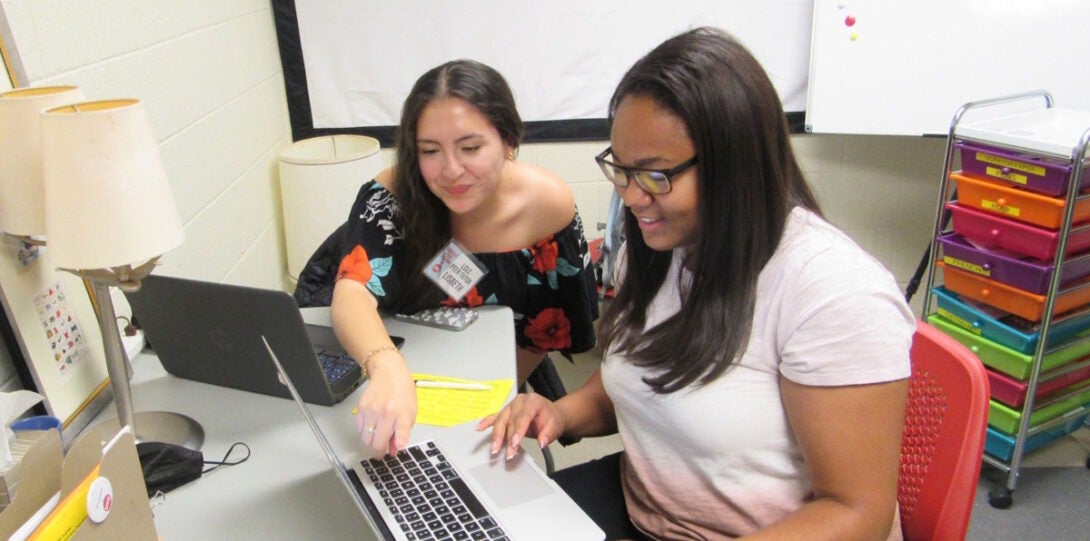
(456, 178)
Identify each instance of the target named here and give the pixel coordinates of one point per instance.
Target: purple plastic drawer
(992, 231)
(1050, 176)
(1008, 267)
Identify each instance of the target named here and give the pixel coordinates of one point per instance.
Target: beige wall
(209, 73)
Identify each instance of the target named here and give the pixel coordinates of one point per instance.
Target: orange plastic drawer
(1011, 299)
(1017, 203)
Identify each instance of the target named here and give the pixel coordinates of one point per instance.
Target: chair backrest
(943, 441)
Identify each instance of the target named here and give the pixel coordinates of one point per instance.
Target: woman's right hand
(530, 415)
(387, 407)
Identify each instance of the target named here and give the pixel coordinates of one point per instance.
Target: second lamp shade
(319, 178)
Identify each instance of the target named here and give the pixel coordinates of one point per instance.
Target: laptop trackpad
(511, 482)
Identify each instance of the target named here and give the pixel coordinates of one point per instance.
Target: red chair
(943, 441)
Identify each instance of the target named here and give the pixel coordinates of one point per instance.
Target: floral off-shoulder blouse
(550, 285)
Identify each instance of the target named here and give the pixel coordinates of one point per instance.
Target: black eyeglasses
(652, 181)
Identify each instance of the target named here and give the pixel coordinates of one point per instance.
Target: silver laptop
(450, 487)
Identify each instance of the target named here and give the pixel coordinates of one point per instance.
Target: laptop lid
(351, 483)
(526, 503)
(211, 332)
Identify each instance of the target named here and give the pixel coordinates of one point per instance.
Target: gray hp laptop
(211, 332)
(450, 487)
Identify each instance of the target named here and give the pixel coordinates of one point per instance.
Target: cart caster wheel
(1000, 498)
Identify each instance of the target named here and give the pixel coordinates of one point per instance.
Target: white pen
(453, 385)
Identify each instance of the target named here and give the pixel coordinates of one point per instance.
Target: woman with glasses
(755, 359)
(457, 192)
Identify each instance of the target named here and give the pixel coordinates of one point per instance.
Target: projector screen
(348, 64)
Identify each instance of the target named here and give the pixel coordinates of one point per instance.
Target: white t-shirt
(721, 460)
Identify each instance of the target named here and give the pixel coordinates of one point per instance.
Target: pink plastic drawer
(1017, 203)
(1011, 299)
(1049, 176)
(992, 231)
(1012, 391)
(1008, 267)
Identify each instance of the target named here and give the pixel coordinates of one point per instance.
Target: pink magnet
(849, 20)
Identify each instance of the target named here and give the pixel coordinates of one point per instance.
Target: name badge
(455, 271)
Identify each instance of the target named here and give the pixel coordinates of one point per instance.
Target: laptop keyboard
(335, 365)
(428, 498)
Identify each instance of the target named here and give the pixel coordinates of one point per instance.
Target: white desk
(286, 489)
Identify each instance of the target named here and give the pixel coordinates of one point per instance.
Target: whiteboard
(904, 68)
(562, 58)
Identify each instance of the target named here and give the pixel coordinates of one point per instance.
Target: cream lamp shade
(108, 201)
(22, 203)
(319, 178)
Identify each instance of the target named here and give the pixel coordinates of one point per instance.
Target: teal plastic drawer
(1007, 329)
(1001, 445)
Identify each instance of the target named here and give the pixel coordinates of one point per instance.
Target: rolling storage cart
(1012, 242)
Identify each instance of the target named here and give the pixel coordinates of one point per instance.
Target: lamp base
(158, 426)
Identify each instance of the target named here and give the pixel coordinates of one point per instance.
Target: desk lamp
(22, 206)
(110, 214)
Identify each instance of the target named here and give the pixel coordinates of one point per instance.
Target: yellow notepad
(449, 407)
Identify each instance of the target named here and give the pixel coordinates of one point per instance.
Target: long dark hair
(748, 183)
(425, 219)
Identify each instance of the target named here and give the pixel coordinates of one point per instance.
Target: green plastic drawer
(1005, 359)
(1006, 419)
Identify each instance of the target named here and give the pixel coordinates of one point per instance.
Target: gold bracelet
(367, 360)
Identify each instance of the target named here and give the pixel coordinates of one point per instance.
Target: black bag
(167, 466)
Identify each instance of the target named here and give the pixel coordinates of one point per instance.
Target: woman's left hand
(527, 415)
